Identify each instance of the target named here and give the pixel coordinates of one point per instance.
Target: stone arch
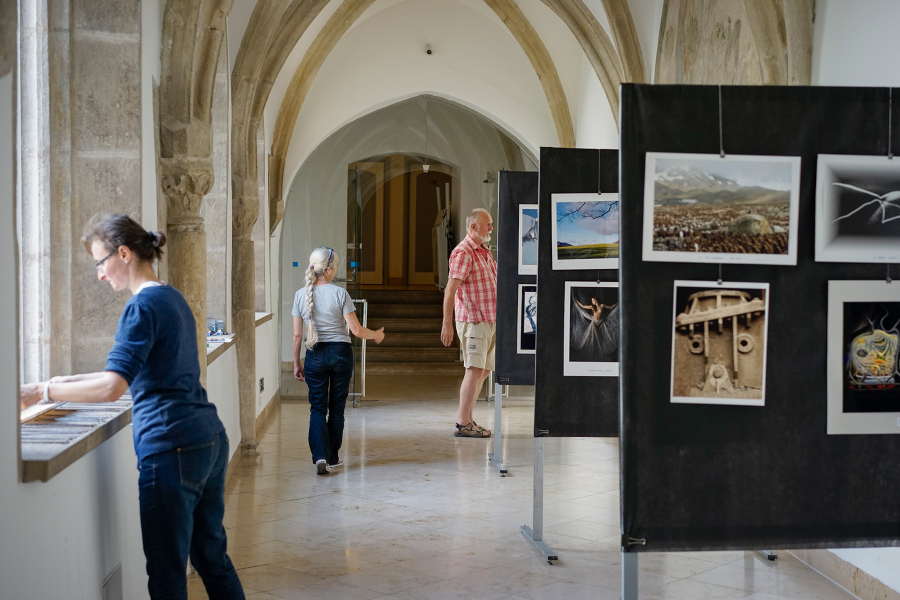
(530, 152)
(192, 36)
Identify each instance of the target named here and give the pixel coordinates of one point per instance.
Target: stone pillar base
(249, 448)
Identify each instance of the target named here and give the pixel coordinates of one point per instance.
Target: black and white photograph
(526, 334)
(719, 338)
(591, 338)
(528, 239)
(585, 231)
(863, 369)
(706, 208)
(857, 209)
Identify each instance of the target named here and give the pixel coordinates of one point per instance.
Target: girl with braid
(328, 312)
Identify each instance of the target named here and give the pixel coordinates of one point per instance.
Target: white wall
(268, 365)
(855, 45)
(222, 390)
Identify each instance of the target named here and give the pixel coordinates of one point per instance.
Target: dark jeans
(328, 369)
(182, 505)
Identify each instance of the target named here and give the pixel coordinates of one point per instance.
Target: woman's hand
(379, 336)
(299, 375)
(30, 394)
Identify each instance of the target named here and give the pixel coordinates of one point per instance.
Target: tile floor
(420, 515)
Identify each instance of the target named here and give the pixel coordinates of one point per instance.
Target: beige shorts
(478, 341)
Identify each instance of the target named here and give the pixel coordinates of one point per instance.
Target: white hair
(474, 216)
(319, 261)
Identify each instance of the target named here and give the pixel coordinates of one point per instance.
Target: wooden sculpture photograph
(719, 345)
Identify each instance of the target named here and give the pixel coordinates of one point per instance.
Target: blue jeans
(328, 369)
(182, 506)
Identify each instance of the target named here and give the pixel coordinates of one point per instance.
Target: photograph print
(736, 209)
(526, 334)
(591, 335)
(528, 239)
(857, 209)
(585, 231)
(719, 337)
(863, 369)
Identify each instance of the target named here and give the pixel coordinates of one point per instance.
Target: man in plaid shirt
(472, 293)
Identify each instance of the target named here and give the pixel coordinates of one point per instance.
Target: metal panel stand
(768, 554)
(496, 457)
(536, 535)
(629, 576)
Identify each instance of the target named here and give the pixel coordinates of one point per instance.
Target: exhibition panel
(576, 381)
(517, 241)
(759, 383)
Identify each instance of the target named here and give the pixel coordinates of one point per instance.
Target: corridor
(421, 515)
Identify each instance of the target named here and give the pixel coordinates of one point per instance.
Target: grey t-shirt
(330, 304)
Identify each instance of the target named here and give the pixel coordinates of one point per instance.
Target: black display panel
(716, 477)
(511, 367)
(573, 406)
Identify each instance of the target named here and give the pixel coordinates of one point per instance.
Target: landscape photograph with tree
(585, 231)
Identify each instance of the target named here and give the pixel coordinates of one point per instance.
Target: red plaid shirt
(476, 297)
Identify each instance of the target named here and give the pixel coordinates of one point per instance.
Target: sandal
(478, 427)
(470, 431)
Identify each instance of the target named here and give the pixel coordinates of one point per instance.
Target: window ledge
(262, 317)
(216, 349)
(57, 438)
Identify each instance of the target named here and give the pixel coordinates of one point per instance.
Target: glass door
(351, 280)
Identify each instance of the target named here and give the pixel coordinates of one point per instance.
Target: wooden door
(371, 224)
(425, 190)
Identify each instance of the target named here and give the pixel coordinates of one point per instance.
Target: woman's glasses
(330, 254)
(99, 264)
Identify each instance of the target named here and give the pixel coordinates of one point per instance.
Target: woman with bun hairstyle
(329, 313)
(180, 442)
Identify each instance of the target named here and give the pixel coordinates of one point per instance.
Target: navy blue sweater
(156, 353)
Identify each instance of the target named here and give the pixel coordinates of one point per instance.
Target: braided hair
(319, 261)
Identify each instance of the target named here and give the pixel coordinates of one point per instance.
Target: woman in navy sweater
(180, 442)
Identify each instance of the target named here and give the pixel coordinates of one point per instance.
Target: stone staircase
(412, 326)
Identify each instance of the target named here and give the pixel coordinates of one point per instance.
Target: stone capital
(185, 184)
(244, 206)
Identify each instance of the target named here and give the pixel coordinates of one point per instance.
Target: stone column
(244, 213)
(184, 184)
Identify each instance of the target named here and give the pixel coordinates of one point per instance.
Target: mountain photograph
(706, 204)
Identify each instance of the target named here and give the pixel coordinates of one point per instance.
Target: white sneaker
(322, 467)
(337, 465)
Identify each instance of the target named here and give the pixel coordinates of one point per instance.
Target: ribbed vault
(602, 54)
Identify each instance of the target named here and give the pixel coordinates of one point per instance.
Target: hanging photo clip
(721, 143)
(890, 114)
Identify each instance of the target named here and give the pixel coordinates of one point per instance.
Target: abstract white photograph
(719, 342)
(585, 231)
(857, 209)
(863, 351)
(591, 329)
(737, 209)
(528, 239)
